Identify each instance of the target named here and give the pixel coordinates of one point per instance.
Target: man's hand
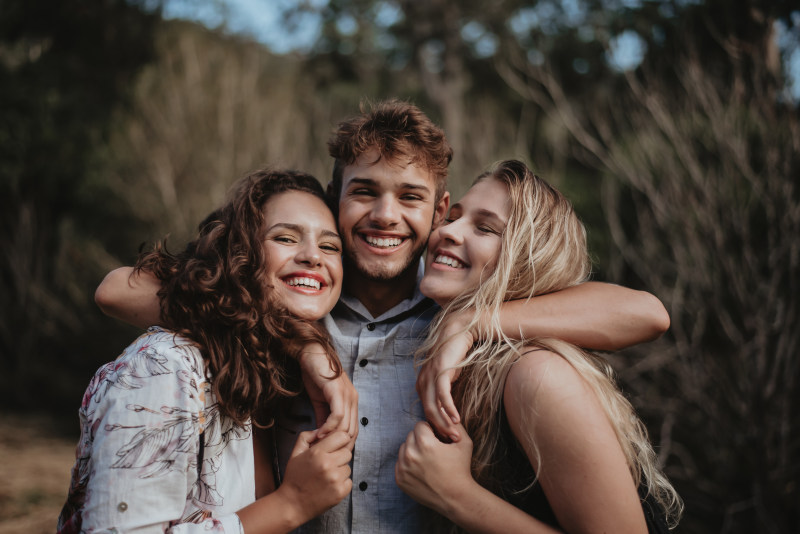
(335, 400)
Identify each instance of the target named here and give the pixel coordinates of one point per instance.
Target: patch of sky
(347, 25)
(575, 12)
(788, 40)
(254, 18)
(483, 42)
(626, 51)
(544, 17)
(523, 21)
(387, 14)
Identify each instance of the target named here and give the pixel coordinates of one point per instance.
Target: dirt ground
(35, 466)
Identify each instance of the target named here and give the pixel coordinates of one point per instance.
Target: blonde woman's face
(464, 250)
(304, 254)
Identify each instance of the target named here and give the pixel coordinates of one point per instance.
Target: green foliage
(63, 68)
(117, 128)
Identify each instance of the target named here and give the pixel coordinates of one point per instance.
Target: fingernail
(454, 419)
(454, 437)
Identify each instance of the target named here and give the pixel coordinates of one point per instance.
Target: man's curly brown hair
(216, 294)
(398, 130)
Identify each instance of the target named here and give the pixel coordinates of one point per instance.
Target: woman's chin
(434, 290)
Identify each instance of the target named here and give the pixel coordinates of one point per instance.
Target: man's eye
(412, 198)
(365, 192)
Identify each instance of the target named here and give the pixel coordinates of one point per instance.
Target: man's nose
(386, 211)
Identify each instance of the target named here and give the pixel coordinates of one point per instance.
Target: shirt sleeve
(145, 417)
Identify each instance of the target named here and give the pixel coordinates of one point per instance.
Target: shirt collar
(402, 307)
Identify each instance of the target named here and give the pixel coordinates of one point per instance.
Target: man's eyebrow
(415, 187)
(402, 185)
(362, 181)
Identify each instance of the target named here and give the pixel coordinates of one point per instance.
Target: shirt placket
(367, 456)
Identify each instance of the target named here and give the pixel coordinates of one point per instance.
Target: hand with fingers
(334, 399)
(436, 377)
(432, 472)
(318, 473)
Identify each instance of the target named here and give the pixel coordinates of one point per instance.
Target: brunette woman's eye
(284, 239)
(329, 247)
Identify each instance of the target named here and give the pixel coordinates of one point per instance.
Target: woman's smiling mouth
(305, 282)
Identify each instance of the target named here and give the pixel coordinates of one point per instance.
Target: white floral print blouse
(155, 455)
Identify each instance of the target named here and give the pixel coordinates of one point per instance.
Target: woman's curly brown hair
(216, 293)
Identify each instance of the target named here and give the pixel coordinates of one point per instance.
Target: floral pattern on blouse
(155, 454)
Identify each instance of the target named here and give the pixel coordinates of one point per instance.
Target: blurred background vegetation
(672, 125)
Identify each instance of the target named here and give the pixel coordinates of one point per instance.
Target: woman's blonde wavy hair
(543, 250)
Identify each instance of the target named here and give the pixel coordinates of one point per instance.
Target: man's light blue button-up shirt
(378, 354)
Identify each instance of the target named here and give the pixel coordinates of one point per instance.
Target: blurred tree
(700, 150)
(210, 109)
(63, 67)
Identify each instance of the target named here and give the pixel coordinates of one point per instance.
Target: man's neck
(380, 296)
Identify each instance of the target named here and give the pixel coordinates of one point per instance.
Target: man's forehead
(395, 173)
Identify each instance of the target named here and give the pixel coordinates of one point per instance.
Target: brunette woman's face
(304, 253)
(464, 250)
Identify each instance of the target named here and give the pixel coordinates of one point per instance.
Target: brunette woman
(167, 428)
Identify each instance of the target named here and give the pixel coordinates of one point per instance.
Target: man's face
(386, 211)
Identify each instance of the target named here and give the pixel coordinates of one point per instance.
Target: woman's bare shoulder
(546, 380)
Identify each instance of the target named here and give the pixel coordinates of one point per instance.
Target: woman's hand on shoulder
(334, 399)
(432, 472)
(437, 375)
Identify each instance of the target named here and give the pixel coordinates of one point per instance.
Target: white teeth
(383, 242)
(447, 260)
(303, 281)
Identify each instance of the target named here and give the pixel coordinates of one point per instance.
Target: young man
(389, 184)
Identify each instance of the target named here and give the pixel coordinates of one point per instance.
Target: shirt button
(364, 421)
(362, 486)
(371, 327)
(362, 363)
(122, 506)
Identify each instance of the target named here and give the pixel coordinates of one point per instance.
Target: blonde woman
(548, 442)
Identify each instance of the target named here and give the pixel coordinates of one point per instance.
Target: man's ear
(440, 210)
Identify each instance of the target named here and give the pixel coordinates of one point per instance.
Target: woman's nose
(452, 232)
(308, 254)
